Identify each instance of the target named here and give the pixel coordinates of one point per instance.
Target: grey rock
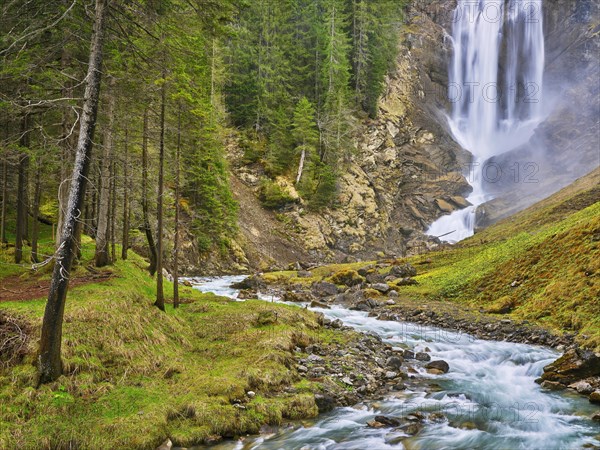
(582, 387)
(324, 402)
(167, 445)
(337, 323)
(422, 356)
(394, 362)
(403, 271)
(438, 365)
(325, 289)
(552, 385)
(381, 287)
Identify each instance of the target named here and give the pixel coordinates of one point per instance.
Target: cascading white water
(489, 397)
(496, 83)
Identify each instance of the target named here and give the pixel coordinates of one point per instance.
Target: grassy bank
(135, 376)
(541, 265)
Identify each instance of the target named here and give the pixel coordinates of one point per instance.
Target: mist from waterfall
(495, 87)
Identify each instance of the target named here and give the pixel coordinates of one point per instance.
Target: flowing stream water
(489, 397)
(496, 79)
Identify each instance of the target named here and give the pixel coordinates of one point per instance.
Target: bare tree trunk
(113, 212)
(22, 207)
(49, 359)
(125, 241)
(102, 233)
(66, 141)
(301, 165)
(160, 295)
(177, 213)
(146, 226)
(36, 212)
(4, 200)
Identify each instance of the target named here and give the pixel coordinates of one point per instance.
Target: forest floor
(134, 376)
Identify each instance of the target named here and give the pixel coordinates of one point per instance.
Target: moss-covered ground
(135, 375)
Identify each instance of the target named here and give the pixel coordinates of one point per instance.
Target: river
(489, 397)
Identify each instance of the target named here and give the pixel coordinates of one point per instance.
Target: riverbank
(213, 369)
(380, 289)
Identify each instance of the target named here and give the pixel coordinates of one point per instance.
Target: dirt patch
(15, 288)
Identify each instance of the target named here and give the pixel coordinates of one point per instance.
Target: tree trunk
(4, 200)
(113, 211)
(125, 241)
(49, 359)
(301, 165)
(177, 195)
(66, 140)
(146, 226)
(36, 212)
(22, 207)
(102, 233)
(160, 295)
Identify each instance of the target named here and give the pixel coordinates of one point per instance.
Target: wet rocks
(394, 362)
(388, 421)
(479, 326)
(317, 304)
(325, 403)
(422, 356)
(552, 386)
(573, 366)
(253, 283)
(583, 387)
(595, 397)
(440, 365)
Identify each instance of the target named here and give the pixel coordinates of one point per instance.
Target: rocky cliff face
(407, 170)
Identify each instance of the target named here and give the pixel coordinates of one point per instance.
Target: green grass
(135, 376)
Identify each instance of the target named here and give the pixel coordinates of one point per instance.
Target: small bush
(274, 196)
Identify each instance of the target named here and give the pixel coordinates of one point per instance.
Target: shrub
(274, 196)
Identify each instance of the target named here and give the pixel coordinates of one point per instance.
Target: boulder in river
(574, 365)
(422, 356)
(440, 365)
(388, 421)
(595, 397)
(325, 403)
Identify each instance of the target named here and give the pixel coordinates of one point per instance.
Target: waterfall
(495, 87)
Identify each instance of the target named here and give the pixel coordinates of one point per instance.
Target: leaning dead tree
(49, 359)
